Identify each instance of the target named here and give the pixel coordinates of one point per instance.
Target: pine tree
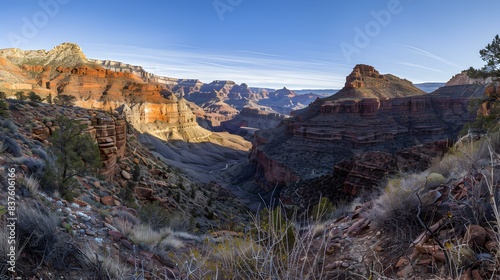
(491, 55)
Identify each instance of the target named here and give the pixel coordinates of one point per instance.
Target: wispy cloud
(433, 56)
(254, 68)
(419, 66)
(258, 53)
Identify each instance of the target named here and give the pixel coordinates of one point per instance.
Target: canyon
(366, 116)
(294, 137)
(181, 148)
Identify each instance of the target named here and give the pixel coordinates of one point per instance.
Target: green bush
(4, 109)
(64, 100)
(136, 173)
(74, 153)
(32, 96)
(277, 229)
(20, 95)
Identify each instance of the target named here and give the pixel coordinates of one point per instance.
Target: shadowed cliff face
(334, 129)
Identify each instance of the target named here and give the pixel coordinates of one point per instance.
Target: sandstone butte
(145, 99)
(373, 112)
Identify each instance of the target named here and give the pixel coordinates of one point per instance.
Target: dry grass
(110, 266)
(145, 235)
(275, 249)
(396, 209)
(32, 184)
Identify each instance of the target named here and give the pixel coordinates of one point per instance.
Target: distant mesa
(461, 85)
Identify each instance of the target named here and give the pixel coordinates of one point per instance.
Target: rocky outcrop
(111, 137)
(372, 121)
(222, 87)
(463, 78)
(463, 86)
(138, 71)
(109, 132)
(366, 82)
(172, 120)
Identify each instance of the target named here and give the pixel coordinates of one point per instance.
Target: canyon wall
(334, 129)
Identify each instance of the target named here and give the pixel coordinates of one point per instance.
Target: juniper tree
(32, 96)
(64, 100)
(74, 153)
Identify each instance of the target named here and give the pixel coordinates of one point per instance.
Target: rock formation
(66, 54)
(462, 78)
(334, 129)
(109, 132)
(250, 118)
(366, 82)
(147, 103)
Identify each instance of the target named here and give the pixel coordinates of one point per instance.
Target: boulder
(126, 175)
(144, 193)
(108, 200)
(475, 237)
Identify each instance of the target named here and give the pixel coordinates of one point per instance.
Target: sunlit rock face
(147, 104)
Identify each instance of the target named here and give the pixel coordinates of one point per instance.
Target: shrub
(154, 215)
(395, 211)
(323, 209)
(49, 98)
(37, 231)
(434, 180)
(260, 254)
(11, 126)
(110, 267)
(64, 100)
(31, 183)
(148, 237)
(33, 97)
(136, 173)
(20, 95)
(40, 153)
(35, 166)
(10, 146)
(4, 109)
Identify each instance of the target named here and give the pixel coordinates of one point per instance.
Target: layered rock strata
(334, 129)
(110, 134)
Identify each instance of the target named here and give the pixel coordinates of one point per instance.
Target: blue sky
(265, 43)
